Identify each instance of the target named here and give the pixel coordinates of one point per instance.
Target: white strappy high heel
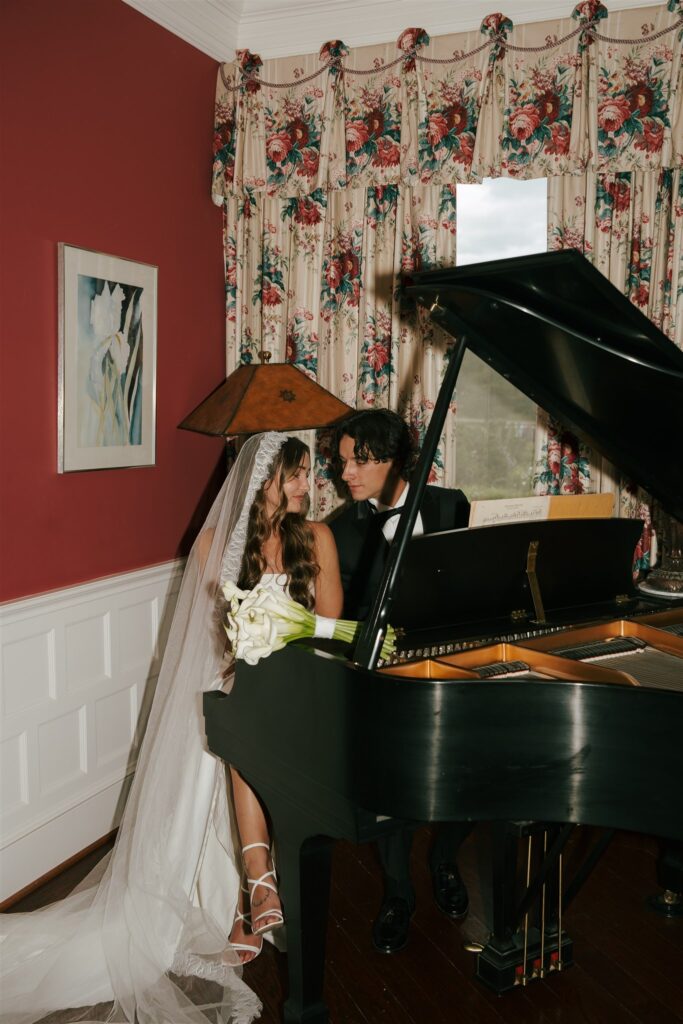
(274, 913)
(243, 947)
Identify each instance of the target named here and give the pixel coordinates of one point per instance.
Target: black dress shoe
(390, 928)
(450, 893)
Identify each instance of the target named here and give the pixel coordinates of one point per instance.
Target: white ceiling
(277, 28)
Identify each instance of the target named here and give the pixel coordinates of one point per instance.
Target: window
(496, 423)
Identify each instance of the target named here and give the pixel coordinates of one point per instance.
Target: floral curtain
(337, 173)
(312, 281)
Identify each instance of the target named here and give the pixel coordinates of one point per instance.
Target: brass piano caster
(667, 903)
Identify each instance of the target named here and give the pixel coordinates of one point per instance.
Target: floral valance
(597, 90)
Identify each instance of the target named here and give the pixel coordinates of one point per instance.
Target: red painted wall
(106, 144)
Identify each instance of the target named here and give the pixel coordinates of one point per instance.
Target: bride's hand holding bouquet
(261, 621)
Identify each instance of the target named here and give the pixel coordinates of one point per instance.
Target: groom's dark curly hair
(379, 435)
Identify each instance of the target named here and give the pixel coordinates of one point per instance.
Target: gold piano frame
(538, 654)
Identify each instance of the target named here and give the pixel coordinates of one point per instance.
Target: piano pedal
(502, 966)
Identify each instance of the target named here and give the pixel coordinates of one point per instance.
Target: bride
(159, 930)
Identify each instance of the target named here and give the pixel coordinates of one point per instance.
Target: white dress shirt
(389, 528)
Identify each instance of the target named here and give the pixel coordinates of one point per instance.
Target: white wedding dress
(144, 939)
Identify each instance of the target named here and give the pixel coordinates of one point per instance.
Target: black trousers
(394, 855)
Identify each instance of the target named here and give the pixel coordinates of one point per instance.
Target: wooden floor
(628, 960)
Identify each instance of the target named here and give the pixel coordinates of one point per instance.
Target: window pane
(495, 424)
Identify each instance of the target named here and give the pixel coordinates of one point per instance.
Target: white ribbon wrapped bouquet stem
(261, 621)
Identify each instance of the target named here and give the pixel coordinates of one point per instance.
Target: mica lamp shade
(255, 398)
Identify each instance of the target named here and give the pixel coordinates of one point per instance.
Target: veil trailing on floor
(144, 938)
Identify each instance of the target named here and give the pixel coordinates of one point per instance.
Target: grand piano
(534, 686)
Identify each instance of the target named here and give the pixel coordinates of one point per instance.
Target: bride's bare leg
(253, 828)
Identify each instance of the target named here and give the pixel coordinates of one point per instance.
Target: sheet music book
(500, 511)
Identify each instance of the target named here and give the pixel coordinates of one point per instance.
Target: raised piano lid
(564, 335)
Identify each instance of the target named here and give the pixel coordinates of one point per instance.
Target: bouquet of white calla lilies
(262, 620)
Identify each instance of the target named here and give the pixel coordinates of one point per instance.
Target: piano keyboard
(438, 650)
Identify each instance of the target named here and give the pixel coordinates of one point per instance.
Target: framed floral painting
(107, 361)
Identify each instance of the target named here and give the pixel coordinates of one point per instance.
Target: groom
(373, 458)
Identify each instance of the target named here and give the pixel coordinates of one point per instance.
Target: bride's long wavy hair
(298, 546)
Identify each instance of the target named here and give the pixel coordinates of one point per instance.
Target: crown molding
(281, 28)
(211, 26)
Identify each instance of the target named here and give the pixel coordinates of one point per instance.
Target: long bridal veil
(144, 939)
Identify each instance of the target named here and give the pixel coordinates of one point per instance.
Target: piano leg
(304, 867)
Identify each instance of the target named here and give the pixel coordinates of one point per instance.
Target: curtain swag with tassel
(524, 102)
(338, 172)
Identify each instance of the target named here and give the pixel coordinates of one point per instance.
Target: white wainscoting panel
(78, 669)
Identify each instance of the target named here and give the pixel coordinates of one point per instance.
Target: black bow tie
(380, 518)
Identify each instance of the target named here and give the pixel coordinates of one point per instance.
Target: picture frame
(107, 361)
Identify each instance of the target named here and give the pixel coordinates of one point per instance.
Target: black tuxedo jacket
(363, 549)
